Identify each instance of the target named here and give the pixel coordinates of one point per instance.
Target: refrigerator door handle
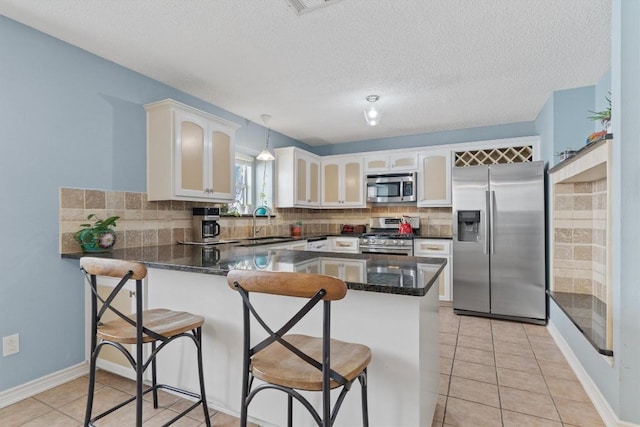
(486, 222)
(492, 202)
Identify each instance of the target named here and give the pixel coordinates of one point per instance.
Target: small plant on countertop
(99, 236)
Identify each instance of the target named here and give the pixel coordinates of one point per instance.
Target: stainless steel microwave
(388, 188)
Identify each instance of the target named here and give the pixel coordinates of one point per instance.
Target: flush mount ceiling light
(371, 115)
(266, 155)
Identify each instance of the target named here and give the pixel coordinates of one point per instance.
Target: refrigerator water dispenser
(468, 226)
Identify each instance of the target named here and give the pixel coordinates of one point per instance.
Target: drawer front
(340, 244)
(431, 247)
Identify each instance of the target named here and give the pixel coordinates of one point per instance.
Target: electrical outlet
(10, 345)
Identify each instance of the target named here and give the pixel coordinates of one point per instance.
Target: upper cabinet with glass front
(342, 182)
(190, 154)
(385, 162)
(434, 178)
(297, 178)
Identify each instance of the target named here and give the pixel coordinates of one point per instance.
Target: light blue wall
(544, 128)
(67, 119)
(625, 91)
(571, 125)
(511, 130)
(603, 90)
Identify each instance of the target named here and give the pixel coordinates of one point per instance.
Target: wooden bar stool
(291, 362)
(149, 326)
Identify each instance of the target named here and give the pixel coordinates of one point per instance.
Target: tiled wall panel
(580, 238)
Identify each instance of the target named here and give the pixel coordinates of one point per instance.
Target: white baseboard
(31, 388)
(123, 371)
(607, 414)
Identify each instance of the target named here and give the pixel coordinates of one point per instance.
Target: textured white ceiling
(436, 64)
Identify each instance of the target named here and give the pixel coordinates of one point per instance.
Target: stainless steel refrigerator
(499, 241)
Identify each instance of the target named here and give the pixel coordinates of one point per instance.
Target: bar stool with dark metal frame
(292, 362)
(149, 326)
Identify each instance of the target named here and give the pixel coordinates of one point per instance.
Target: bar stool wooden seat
(291, 362)
(143, 327)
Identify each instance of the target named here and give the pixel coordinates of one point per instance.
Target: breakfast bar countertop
(402, 275)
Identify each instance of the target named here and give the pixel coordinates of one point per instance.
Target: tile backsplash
(145, 223)
(580, 238)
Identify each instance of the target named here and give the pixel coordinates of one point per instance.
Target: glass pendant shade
(266, 155)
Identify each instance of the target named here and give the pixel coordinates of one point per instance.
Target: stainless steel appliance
(397, 187)
(397, 277)
(384, 238)
(499, 241)
(205, 225)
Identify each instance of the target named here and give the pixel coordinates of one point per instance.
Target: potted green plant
(99, 236)
(603, 116)
(296, 229)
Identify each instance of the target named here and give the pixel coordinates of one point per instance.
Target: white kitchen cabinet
(298, 245)
(386, 162)
(344, 244)
(319, 246)
(311, 267)
(347, 270)
(297, 178)
(434, 178)
(438, 248)
(190, 154)
(342, 182)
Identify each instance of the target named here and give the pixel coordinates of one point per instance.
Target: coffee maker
(205, 225)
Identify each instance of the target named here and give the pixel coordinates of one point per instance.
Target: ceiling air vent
(306, 6)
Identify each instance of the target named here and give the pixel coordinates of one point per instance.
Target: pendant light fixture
(266, 155)
(371, 115)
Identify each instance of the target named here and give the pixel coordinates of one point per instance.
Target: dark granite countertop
(581, 152)
(400, 275)
(589, 314)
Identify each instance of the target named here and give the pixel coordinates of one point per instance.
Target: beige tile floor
(493, 373)
(500, 373)
(64, 406)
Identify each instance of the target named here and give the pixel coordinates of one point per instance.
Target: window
(244, 194)
(253, 185)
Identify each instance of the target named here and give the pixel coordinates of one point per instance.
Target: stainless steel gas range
(384, 237)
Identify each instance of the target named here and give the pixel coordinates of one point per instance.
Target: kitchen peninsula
(392, 307)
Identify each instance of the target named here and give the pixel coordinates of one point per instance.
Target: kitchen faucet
(256, 230)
